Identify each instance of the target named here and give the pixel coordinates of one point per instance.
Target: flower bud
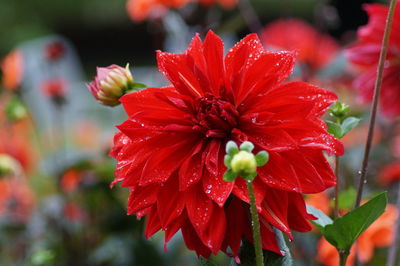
(339, 109)
(244, 163)
(15, 110)
(110, 84)
(7, 165)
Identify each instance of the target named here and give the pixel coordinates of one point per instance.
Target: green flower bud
(7, 165)
(15, 110)
(244, 164)
(339, 109)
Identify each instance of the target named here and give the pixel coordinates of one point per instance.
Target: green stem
(377, 90)
(255, 222)
(337, 188)
(343, 254)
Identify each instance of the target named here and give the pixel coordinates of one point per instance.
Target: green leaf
(262, 158)
(334, 129)
(349, 123)
(344, 231)
(229, 175)
(323, 219)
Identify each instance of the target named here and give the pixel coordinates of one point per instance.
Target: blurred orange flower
(314, 49)
(87, 135)
(358, 136)
(140, 10)
(14, 142)
(12, 68)
(379, 234)
(320, 201)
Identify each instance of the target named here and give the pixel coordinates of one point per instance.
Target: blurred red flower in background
(54, 50)
(12, 68)
(365, 55)
(223, 3)
(170, 150)
(70, 180)
(16, 199)
(314, 49)
(379, 234)
(390, 173)
(55, 89)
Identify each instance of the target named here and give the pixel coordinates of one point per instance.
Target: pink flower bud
(110, 84)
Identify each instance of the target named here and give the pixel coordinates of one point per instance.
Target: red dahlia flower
(170, 150)
(365, 54)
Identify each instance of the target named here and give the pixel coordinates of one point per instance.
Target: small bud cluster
(343, 123)
(242, 162)
(339, 109)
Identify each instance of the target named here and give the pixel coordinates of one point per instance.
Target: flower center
(215, 117)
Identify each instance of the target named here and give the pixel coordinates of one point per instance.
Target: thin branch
(377, 90)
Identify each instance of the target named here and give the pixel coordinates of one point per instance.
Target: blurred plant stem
(391, 261)
(337, 187)
(255, 224)
(250, 16)
(377, 90)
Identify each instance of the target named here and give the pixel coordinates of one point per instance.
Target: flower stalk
(343, 254)
(255, 224)
(377, 90)
(337, 187)
(242, 162)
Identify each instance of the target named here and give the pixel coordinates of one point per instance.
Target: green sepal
(227, 161)
(229, 175)
(262, 158)
(250, 177)
(231, 148)
(247, 146)
(339, 109)
(137, 85)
